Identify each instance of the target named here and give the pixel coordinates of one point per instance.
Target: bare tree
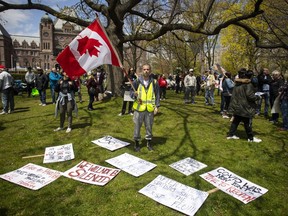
(160, 17)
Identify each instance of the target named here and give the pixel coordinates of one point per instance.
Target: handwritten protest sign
(32, 176)
(58, 153)
(91, 173)
(131, 164)
(110, 143)
(188, 166)
(175, 195)
(234, 185)
(127, 96)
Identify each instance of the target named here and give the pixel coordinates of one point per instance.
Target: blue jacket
(53, 78)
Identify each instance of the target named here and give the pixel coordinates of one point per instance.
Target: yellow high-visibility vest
(146, 99)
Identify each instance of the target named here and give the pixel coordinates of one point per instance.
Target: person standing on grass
(227, 88)
(7, 92)
(41, 83)
(163, 86)
(146, 105)
(264, 81)
(190, 83)
(276, 83)
(66, 101)
(92, 90)
(54, 77)
(243, 106)
(284, 103)
(126, 86)
(30, 80)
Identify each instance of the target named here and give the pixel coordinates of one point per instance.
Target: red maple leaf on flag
(88, 44)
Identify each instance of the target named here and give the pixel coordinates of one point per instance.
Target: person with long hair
(66, 101)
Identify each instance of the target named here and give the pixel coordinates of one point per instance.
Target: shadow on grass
(3, 211)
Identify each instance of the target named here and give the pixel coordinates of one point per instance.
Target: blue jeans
(209, 96)
(8, 99)
(266, 97)
(53, 94)
(42, 95)
(284, 110)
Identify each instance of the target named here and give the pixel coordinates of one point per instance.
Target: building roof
(58, 23)
(46, 18)
(28, 39)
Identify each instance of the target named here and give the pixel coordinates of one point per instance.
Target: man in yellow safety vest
(146, 104)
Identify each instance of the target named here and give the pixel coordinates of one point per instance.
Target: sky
(26, 22)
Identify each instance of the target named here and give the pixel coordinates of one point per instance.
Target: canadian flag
(90, 49)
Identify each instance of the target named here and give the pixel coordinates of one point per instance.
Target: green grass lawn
(180, 131)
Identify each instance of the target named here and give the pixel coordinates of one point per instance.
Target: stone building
(18, 52)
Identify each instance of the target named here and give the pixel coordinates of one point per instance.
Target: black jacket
(243, 100)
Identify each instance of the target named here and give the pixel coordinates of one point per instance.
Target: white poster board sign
(110, 143)
(175, 195)
(131, 164)
(32, 176)
(91, 173)
(188, 166)
(234, 185)
(127, 96)
(58, 153)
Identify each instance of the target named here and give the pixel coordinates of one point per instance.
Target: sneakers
(120, 114)
(131, 113)
(232, 137)
(43, 104)
(68, 130)
(225, 117)
(255, 139)
(58, 129)
(3, 112)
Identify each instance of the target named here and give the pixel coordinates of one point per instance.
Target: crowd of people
(241, 96)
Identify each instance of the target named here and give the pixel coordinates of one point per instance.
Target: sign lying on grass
(58, 153)
(32, 176)
(91, 173)
(234, 185)
(131, 164)
(175, 195)
(188, 166)
(110, 143)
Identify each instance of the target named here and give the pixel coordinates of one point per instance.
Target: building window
(46, 45)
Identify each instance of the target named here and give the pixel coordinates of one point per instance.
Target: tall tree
(158, 18)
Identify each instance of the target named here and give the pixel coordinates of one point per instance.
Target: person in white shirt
(190, 87)
(7, 92)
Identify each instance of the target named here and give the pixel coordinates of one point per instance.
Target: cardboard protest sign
(91, 173)
(234, 185)
(175, 195)
(127, 96)
(188, 166)
(110, 143)
(58, 153)
(32, 176)
(131, 164)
